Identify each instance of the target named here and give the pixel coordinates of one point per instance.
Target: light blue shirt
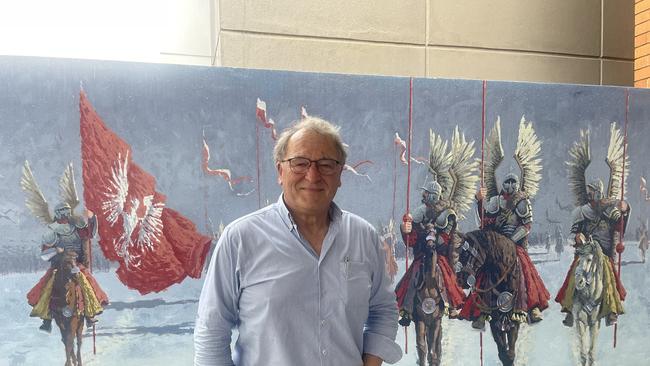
(292, 307)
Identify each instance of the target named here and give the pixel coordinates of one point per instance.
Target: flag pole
(621, 234)
(482, 182)
(409, 142)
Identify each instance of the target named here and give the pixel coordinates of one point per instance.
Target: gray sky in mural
(163, 112)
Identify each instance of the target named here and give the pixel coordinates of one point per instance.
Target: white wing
(463, 172)
(150, 225)
(118, 189)
(493, 158)
(527, 155)
(68, 188)
(35, 201)
(615, 159)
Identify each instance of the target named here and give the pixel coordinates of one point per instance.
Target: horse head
(470, 260)
(588, 272)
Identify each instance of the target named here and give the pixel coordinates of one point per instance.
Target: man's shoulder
(261, 215)
(356, 221)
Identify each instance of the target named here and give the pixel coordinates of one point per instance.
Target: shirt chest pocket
(354, 278)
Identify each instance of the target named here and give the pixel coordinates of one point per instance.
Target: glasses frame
(318, 167)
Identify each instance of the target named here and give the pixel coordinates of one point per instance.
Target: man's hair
(313, 124)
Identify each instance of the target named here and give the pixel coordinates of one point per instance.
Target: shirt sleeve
(218, 305)
(381, 326)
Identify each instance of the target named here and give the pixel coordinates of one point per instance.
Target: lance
(482, 182)
(409, 141)
(621, 234)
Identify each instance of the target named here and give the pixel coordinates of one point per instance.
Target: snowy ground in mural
(157, 328)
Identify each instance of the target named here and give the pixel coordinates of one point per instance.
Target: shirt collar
(334, 213)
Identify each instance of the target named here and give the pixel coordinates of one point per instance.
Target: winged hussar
(65, 233)
(592, 289)
(506, 288)
(429, 288)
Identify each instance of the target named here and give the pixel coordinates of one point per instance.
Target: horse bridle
(474, 254)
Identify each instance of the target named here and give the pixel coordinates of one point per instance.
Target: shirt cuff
(382, 347)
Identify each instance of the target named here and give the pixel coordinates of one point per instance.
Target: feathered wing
(493, 158)
(35, 201)
(579, 160)
(151, 224)
(118, 190)
(527, 156)
(439, 162)
(68, 188)
(463, 171)
(615, 158)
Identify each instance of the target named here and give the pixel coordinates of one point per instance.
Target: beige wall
(577, 41)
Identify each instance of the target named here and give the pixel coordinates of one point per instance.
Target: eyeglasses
(300, 165)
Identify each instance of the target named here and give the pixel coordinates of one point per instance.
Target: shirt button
(322, 323)
(324, 352)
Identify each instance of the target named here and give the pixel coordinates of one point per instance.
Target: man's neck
(312, 227)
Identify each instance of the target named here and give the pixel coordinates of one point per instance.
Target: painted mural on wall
(134, 169)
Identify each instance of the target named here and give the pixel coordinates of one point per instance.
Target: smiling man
(303, 281)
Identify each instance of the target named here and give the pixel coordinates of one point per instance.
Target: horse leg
(593, 330)
(68, 341)
(513, 334)
(500, 338)
(63, 329)
(435, 342)
(421, 341)
(79, 332)
(583, 341)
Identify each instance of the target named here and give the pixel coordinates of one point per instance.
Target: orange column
(642, 43)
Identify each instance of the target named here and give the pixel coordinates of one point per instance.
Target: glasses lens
(327, 166)
(299, 165)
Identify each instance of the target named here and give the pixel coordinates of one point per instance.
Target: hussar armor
(512, 217)
(599, 223)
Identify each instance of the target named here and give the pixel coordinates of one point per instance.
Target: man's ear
(278, 166)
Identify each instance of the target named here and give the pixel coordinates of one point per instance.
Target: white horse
(587, 298)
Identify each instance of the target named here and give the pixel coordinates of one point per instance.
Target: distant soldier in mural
(67, 236)
(388, 244)
(599, 217)
(643, 239)
(559, 241)
(547, 242)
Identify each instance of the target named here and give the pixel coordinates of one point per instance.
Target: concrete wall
(577, 41)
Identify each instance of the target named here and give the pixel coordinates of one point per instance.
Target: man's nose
(312, 173)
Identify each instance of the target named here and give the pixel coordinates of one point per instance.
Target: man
(435, 222)
(303, 281)
(72, 233)
(601, 220)
(511, 215)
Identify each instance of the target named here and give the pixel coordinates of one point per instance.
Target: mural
(157, 158)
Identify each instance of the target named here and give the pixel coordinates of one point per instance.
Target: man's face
(310, 192)
(594, 195)
(510, 186)
(63, 213)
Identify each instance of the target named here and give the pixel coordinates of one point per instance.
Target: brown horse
(489, 265)
(66, 304)
(428, 310)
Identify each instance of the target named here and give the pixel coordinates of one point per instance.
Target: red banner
(155, 246)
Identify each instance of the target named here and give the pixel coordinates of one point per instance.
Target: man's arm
(217, 313)
(371, 360)
(381, 325)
